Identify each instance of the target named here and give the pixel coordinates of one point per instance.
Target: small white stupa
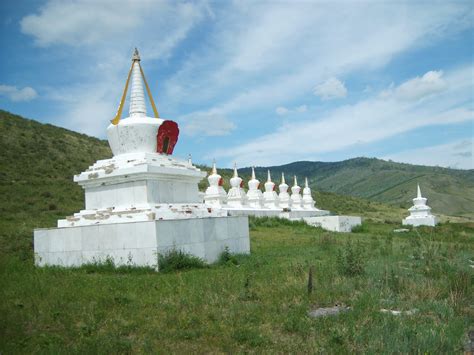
(270, 197)
(215, 194)
(296, 201)
(420, 213)
(143, 201)
(254, 195)
(236, 198)
(284, 200)
(308, 202)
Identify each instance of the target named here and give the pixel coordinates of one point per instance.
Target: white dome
(134, 135)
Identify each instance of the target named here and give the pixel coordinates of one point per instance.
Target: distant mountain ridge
(38, 161)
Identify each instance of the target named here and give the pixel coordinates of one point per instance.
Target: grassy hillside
(449, 191)
(37, 164)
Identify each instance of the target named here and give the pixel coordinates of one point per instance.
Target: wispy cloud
(15, 94)
(456, 155)
(366, 121)
(419, 87)
(208, 124)
(330, 89)
(265, 56)
(102, 35)
(281, 110)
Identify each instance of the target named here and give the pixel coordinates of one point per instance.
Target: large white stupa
(143, 201)
(420, 212)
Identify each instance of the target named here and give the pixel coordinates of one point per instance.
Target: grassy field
(257, 303)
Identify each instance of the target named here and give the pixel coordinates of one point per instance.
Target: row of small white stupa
(237, 198)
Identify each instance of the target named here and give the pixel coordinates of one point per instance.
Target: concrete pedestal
(429, 220)
(334, 223)
(139, 243)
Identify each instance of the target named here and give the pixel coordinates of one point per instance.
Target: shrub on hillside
(227, 258)
(351, 259)
(270, 222)
(178, 260)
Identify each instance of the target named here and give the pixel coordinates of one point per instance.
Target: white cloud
(456, 155)
(94, 23)
(366, 121)
(419, 87)
(15, 94)
(302, 109)
(254, 45)
(280, 110)
(102, 35)
(207, 124)
(332, 88)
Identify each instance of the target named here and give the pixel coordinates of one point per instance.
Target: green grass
(257, 304)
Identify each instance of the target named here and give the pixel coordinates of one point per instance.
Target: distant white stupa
(308, 202)
(284, 199)
(420, 213)
(254, 195)
(296, 200)
(236, 197)
(215, 193)
(270, 197)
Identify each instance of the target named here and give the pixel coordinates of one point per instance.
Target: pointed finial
(235, 170)
(269, 178)
(418, 192)
(253, 173)
(306, 182)
(190, 159)
(214, 169)
(283, 178)
(136, 56)
(296, 182)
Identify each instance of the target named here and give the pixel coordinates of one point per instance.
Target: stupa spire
(137, 94)
(214, 169)
(269, 178)
(306, 182)
(253, 173)
(295, 181)
(283, 178)
(235, 170)
(418, 195)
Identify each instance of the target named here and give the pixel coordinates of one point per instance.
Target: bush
(179, 260)
(351, 260)
(270, 222)
(227, 258)
(361, 228)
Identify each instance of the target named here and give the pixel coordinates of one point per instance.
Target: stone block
(202, 237)
(334, 223)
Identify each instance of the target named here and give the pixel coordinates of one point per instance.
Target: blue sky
(255, 82)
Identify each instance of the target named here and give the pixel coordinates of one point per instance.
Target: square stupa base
(430, 221)
(334, 223)
(141, 243)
